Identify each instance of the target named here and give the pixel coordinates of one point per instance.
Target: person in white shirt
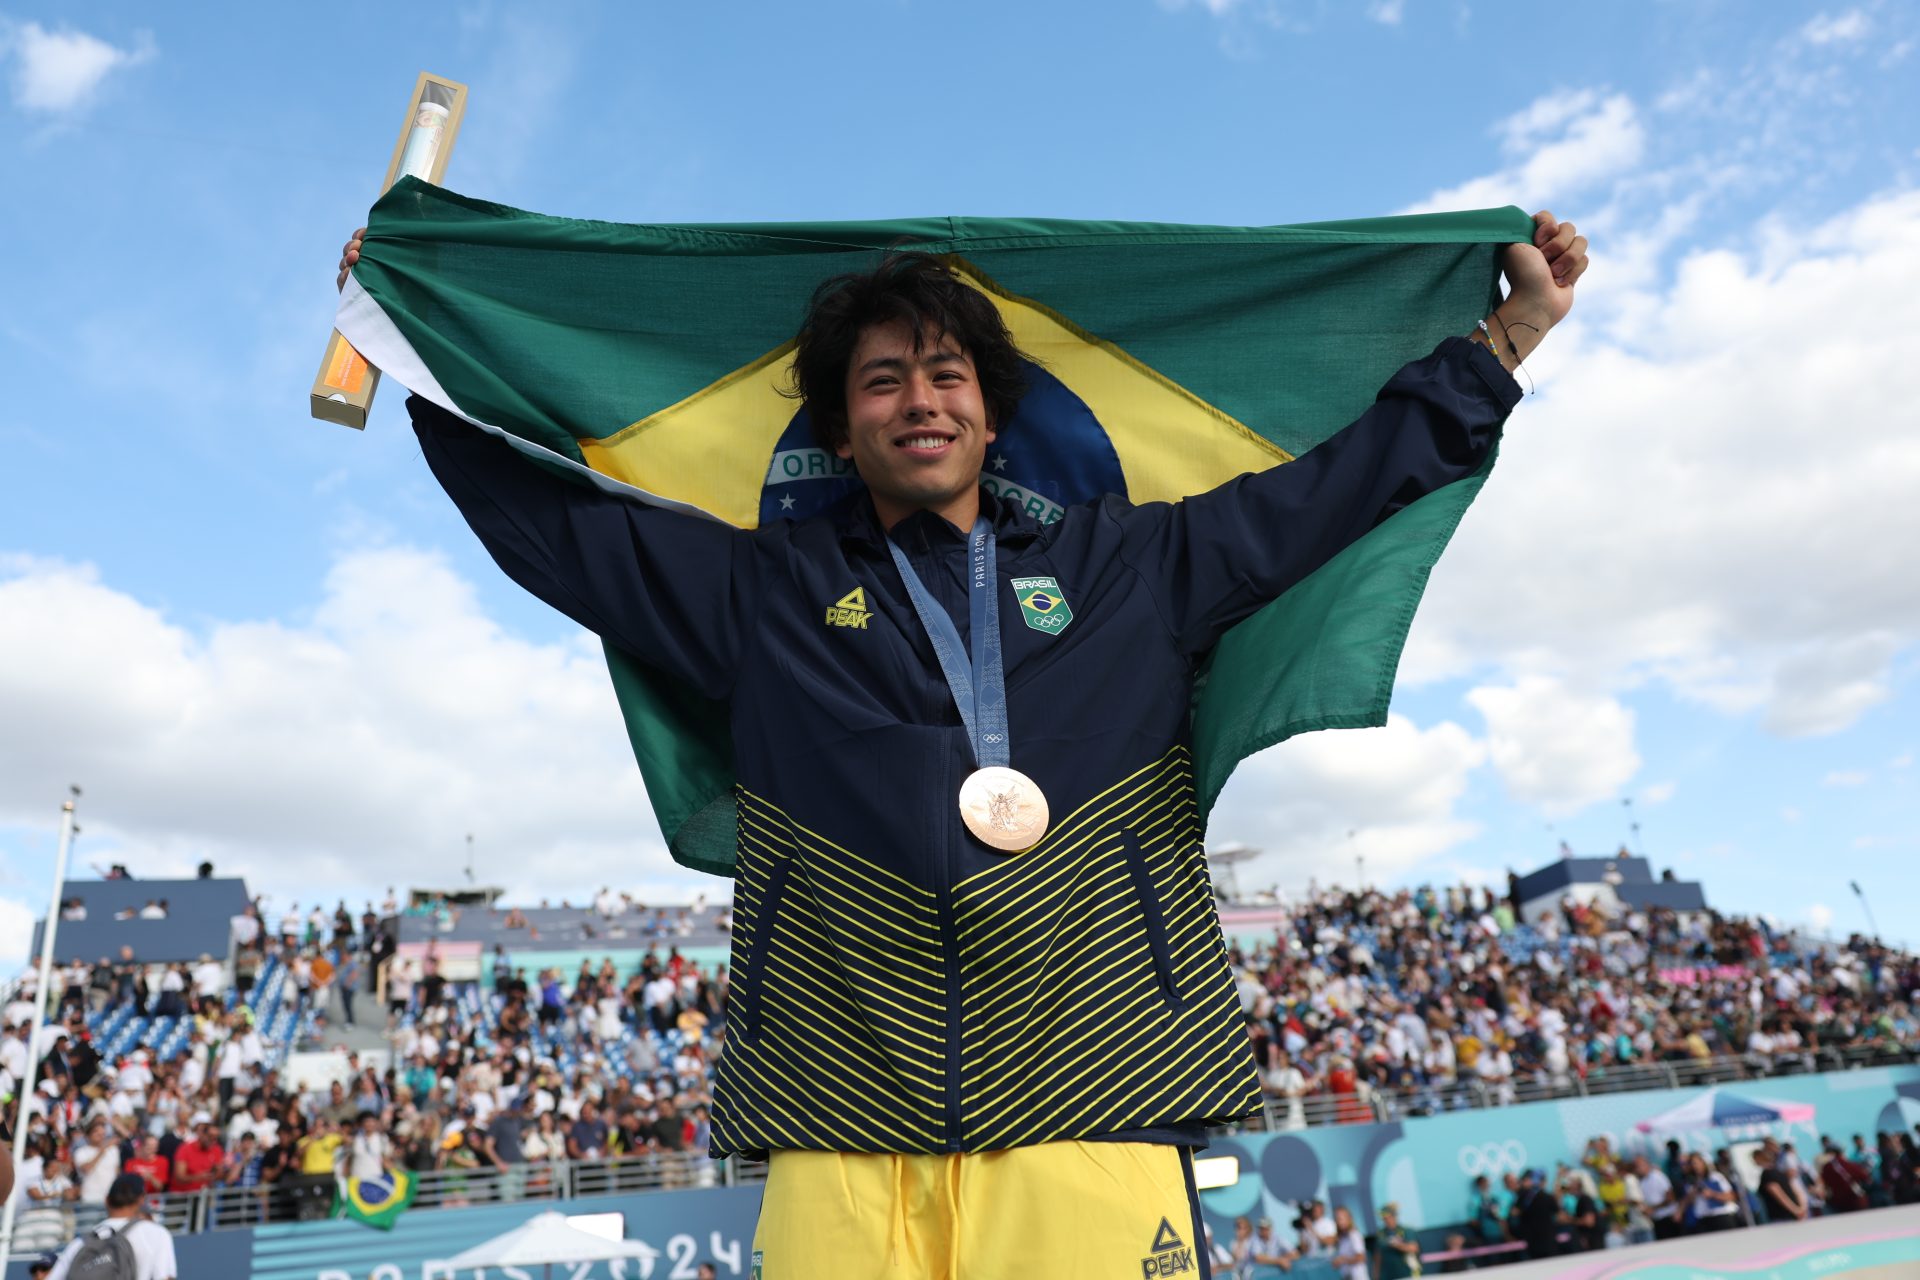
(136, 1076)
(227, 1066)
(1495, 1069)
(173, 985)
(1317, 1233)
(371, 1149)
(253, 1050)
(13, 1050)
(1656, 1194)
(208, 980)
(246, 929)
(96, 1162)
(1349, 1246)
(1285, 1086)
(254, 1120)
(152, 1243)
(193, 1071)
(658, 998)
(1716, 1205)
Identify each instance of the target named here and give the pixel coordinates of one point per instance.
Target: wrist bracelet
(1488, 335)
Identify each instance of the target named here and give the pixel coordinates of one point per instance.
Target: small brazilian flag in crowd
(378, 1202)
(651, 359)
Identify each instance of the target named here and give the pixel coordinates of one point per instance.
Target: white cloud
(1836, 28)
(348, 751)
(16, 933)
(1789, 814)
(1902, 761)
(1845, 778)
(1315, 802)
(1556, 747)
(1826, 688)
(59, 72)
(1560, 145)
(1716, 494)
(1387, 13)
(1820, 916)
(1658, 792)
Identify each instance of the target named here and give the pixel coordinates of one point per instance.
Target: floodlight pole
(24, 1091)
(1864, 906)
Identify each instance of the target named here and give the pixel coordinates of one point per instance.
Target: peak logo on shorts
(850, 610)
(1168, 1255)
(1042, 604)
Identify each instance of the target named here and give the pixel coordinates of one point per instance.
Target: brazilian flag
(650, 360)
(378, 1202)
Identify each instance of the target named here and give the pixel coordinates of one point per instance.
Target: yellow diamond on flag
(720, 448)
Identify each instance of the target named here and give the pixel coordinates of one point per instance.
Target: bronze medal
(1003, 808)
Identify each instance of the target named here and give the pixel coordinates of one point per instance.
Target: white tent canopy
(548, 1238)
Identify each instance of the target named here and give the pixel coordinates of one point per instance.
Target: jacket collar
(855, 521)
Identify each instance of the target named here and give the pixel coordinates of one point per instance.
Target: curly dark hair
(921, 291)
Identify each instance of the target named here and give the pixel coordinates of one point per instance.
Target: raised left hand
(1541, 275)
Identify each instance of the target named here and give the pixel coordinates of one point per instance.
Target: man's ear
(844, 451)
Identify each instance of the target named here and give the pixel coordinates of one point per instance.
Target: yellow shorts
(1059, 1211)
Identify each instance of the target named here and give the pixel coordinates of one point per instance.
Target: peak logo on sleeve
(850, 610)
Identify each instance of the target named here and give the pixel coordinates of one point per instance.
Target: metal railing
(1372, 1105)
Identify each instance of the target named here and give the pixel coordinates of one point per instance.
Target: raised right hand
(349, 254)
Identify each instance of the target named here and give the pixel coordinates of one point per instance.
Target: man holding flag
(982, 1010)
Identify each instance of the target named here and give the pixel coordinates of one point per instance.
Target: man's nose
(919, 403)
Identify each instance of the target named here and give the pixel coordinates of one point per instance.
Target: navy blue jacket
(898, 986)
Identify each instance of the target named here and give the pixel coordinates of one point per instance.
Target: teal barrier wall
(1426, 1164)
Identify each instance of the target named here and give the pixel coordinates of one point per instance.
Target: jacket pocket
(1155, 918)
(746, 1010)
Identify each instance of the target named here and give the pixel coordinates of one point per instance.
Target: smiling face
(917, 425)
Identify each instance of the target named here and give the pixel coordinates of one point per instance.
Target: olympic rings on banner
(1493, 1158)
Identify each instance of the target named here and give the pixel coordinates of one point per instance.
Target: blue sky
(269, 641)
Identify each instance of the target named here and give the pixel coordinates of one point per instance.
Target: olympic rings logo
(1492, 1158)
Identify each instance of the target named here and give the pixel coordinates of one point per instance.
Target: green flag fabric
(651, 360)
(378, 1202)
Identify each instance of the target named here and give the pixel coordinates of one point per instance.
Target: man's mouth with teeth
(923, 442)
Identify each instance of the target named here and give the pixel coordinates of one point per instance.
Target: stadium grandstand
(250, 1064)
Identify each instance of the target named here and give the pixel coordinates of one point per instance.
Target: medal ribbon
(980, 687)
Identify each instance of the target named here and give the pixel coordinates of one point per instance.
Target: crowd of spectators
(592, 1068)
(1320, 1240)
(1355, 1002)
(1613, 1199)
(1608, 1200)
(1418, 1000)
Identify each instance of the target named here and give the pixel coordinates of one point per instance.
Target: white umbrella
(1717, 1109)
(544, 1239)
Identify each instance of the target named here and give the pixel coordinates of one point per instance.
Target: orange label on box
(347, 370)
